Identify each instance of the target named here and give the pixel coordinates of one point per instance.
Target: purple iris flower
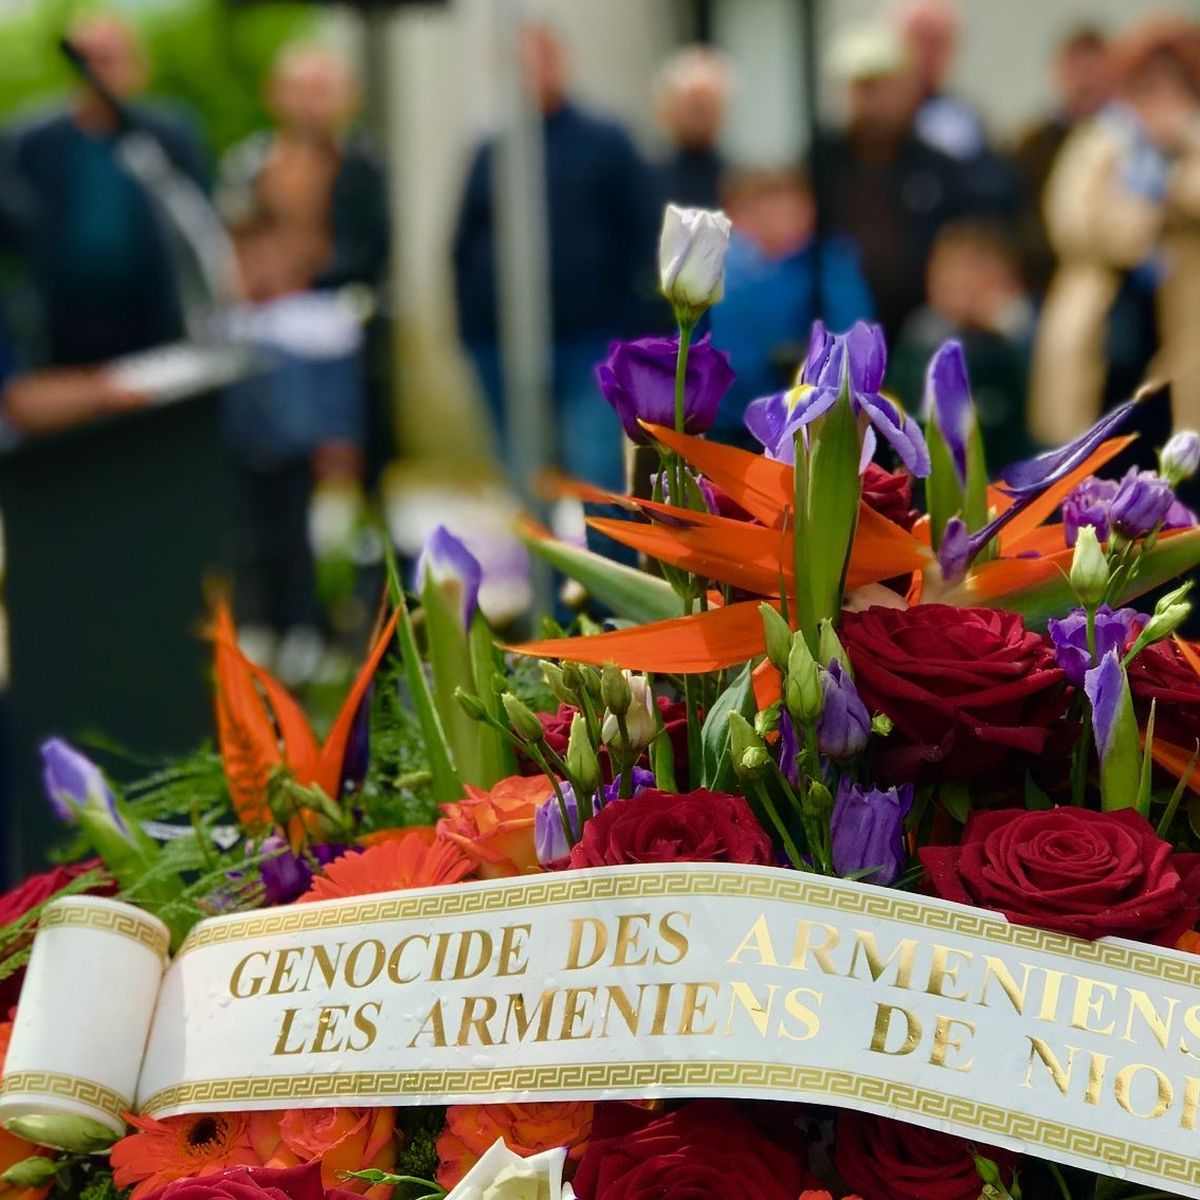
(638, 380)
(451, 564)
(948, 403)
(286, 876)
(1141, 503)
(858, 358)
(1105, 686)
(789, 749)
(1032, 477)
(1114, 631)
(73, 782)
(867, 830)
(844, 724)
(1088, 504)
(956, 551)
(358, 747)
(549, 837)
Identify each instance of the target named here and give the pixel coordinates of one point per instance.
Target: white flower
(641, 720)
(1180, 457)
(502, 1175)
(691, 259)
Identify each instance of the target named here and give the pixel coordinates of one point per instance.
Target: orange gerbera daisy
(181, 1148)
(527, 1129)
(409, 862)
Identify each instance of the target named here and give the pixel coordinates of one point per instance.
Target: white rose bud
(691, 259)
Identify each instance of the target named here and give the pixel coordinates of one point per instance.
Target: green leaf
(498, 760)
(717, 765)
(834, 489)
(1035, 799)
(1121, 767)
(943, 493)
(447, 785)
(956, 799)
(975, 509)
(627, 592)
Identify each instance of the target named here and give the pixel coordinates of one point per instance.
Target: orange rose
(341, 1139)
(14, 1149)
(527, 1129)
(495, 828)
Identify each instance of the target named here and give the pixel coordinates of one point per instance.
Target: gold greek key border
(20, 1084)
(124, 922)
(751, 883)
(812, 1083)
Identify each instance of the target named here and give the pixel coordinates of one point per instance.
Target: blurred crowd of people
(1062, 261)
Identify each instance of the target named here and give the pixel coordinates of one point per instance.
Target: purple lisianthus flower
(1141, 503)
(1088, 504)
(1114, 631)
(867, 830)
(844, 724)
(549, 837)
(450, 564)
(948, 403)
(74, 782)
(286, 876)
(638, 380)
(859, 359)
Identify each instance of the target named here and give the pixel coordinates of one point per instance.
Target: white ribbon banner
(688, 980)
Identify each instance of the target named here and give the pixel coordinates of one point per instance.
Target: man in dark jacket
(100, 257)
(602, 222)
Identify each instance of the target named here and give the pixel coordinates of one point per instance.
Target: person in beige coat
(1123, 204)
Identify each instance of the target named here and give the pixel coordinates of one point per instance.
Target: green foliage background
(210, 55)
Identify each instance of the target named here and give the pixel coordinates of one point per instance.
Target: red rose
(14, 904)
(1161, 673)
(889, 493)
(706, 1148)
(892, 1160)
(1071, 870)
(664, 827)
(966, 688)
(255, 1183)
(557, 726)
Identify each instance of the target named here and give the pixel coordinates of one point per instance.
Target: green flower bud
(615, 690)
(590, 678)
(572, 677)
(767, 721)
(829, 646)
(1169, 613)
(471, 704)
(1089, 568)
(582, 762)
(803, 693)
(817, 801)
(30, 1172)
(522, 718)
(754, 763)
(744, 748)
(779, 636)
(552, 673)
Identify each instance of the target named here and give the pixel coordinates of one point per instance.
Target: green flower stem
(768, 806)
(563, 812)
(1083, 748)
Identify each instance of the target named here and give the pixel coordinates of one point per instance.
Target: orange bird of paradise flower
(756, 556)
(261, 728)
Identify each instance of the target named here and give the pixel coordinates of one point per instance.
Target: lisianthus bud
(829, 646)
(779, 637)
(615, 690)
(844, 724)
(803, 694)
(556, 682)
(1180, 457)
(471, 704)
(691, 259)
(32, 1172)
(1089, 568)
(746, 749)
(581, 756)
(1169, 613)
(522, 718)
(1143, 499)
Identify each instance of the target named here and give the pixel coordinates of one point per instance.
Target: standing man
(100, 257)
(693, 94)
(602, 223)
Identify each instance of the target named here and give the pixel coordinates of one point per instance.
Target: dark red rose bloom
(35, 890)
(969, 690)
(889, 493)
(665, 827)
(1071, 870)
(255, 1183)
(707, 1148)
(1161, 673)
(558, 731)
(892, 1160)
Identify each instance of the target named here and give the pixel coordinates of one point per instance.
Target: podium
(110, 530)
